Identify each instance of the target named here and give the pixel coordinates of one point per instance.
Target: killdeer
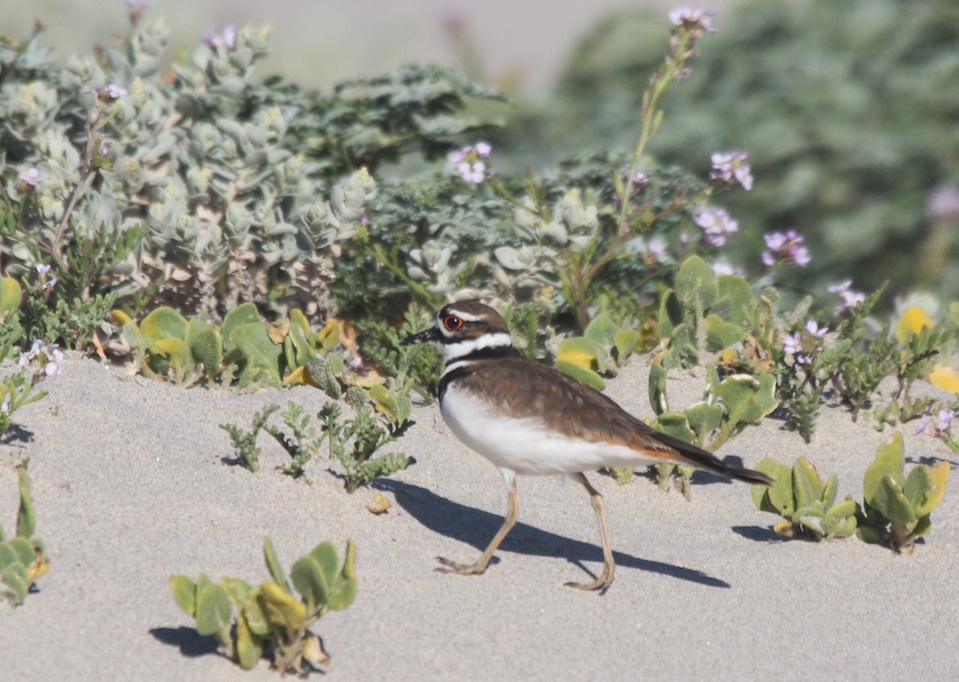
(527, 418)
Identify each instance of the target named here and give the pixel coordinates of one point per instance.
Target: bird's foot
(600, 585)
(460, 569)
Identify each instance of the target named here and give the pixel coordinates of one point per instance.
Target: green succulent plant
(897, 508)
(23, 557)
(249, 622)
(806, 502)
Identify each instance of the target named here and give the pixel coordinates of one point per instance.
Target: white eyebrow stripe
(466, 317)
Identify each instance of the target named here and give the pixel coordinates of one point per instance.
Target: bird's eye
(452, 323)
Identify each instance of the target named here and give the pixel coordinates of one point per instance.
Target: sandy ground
(130, 487)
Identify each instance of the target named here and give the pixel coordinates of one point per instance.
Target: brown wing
(575, 409)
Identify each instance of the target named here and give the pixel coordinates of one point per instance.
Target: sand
(131, 486)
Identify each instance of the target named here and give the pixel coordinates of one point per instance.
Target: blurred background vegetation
(849, 111)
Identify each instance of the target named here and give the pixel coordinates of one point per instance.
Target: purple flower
(469, 161)
(692, 19)
(850, 299)
(43, 268)
(940, 427)
(473, 172)
(32, 176)
(730, 169)
(943, 203)
(49, 357)
(221, 37)
(785, 248)
(804, 344)
(722, 268)
(716, 224)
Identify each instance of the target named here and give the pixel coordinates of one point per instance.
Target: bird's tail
(701, 459)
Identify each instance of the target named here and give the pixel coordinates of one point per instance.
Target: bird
(530, 419)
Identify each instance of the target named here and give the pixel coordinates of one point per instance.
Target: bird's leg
(609, 566)
(512, 516)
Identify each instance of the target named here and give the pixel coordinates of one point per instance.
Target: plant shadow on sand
(475, 527)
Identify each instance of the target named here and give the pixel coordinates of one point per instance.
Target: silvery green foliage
(227, 189)
(226, 205)
(571, 225)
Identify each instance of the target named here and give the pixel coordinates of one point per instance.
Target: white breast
(525, 445)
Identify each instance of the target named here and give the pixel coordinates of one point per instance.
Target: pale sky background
(320, 42)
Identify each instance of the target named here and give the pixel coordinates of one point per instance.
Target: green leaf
(243, 314)
(299, 321)
(840, 519)
(808, 487)
(311, 581)
(302, 346)
(17, 582)
(11, 294)
(327, 559)
(938, 477)
(670, 314)
(345, 586)
(8, 555)
(580, 373)
(178, 353)
(696, 285)
(779, 498)
(582, 351)
(658, 399)
(163, 323)
(830, 491)
(283, 609)
(917, 484)
(625, 342)
(721, 334)
(184, 593)
(24, 550)
(261, 357)
(674, 424)
(255, 613)
(273, 564)
(214, 611)
(205, 345)
(889, 500)
(890, 460)
(601, 329)
(737, 291)
(704, 418)
(26, 515)
(249, 646)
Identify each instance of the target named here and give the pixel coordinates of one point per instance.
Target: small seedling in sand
(897, 507)
(351, 441)
(303, 442)
(368, 434)
(247, 451)
(23, 558)
(807, 503)
(269, 619)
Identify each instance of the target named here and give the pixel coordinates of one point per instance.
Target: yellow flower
(912, 322)
(945, 378)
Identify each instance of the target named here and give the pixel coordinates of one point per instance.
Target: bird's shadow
(191, 643)
(476, 527)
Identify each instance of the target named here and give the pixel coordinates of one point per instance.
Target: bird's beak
(424, 336)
